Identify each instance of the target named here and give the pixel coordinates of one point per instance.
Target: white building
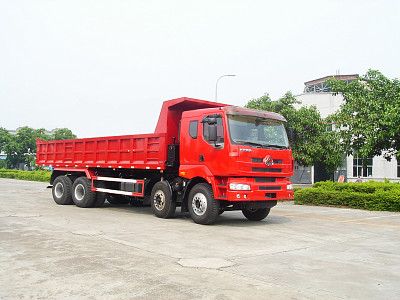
(317, 93)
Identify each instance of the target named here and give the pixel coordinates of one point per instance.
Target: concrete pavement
(120, 252)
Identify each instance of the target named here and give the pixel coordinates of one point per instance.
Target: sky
(104, 67)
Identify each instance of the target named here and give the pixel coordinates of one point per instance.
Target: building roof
(339, 77)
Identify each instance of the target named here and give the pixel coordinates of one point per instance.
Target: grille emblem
(268, 161)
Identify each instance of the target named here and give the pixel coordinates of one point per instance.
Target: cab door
(213, 154)
(189, 140)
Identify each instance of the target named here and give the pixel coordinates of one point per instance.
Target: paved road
(298, 252)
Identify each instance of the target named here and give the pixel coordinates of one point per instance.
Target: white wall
(326, 103)
(381, 169)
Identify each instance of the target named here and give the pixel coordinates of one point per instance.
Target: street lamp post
(216, 84)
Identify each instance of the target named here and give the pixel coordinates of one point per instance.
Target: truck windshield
(257, 132)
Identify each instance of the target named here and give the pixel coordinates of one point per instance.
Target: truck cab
(242, 153)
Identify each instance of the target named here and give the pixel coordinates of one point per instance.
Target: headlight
(289, 187)
(239, 187)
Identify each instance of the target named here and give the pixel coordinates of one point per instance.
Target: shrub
(368, 195)
(361, 187)
(26, 175)
(3, 163)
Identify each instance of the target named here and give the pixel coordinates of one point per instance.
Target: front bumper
(235, 196)
(261, 189)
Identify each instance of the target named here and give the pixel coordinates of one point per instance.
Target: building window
(321, 87)
(398, 169)
(193, 129)
(330, 127)
(362, 167)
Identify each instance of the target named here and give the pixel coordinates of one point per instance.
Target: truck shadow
(231, 218)
(239, 220)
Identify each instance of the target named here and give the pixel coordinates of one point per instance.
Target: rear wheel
(100, 199)
(62, 190)
(82, 195)
(100, 196)
(256, 214)
(203, 208)
(162, 203)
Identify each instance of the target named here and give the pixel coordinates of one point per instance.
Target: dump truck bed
(143, 151)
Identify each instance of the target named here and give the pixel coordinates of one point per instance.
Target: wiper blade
(275, 146)
(261, 145)
(250, 143)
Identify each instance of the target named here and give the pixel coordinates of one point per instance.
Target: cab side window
(193, 129)
(220, 132)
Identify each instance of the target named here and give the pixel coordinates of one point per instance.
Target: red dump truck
(204, 157)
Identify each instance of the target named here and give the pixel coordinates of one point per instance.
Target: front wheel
(256, 214)
(203, 208)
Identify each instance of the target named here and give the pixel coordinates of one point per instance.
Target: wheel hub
(59, 190)
(79, 192)
(159, 200)
(199, 204)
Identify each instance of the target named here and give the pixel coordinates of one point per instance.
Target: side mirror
(209, 120)
(212, 132)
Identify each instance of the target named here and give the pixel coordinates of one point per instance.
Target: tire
(100, 196)
(256, 214)
(203, 208)
(162, 203)
(100, 199)
(82, 195)
(62, 190)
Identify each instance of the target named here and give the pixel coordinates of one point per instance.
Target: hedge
(367, 195)
(25, 175)
(368, 187)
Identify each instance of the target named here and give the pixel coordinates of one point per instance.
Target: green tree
(62, 134)
(26, 138)
(312, 143)
(13, 152)
(42, 134)
(21, 147)
(5, 137)
(369, 118)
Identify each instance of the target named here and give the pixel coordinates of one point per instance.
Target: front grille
(272, 170)
(260, 160)
(257, 160)
(269, 188)
(265, 179)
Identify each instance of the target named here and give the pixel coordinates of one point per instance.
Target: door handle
(201, 157)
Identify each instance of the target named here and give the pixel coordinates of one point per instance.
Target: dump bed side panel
(145, 151)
